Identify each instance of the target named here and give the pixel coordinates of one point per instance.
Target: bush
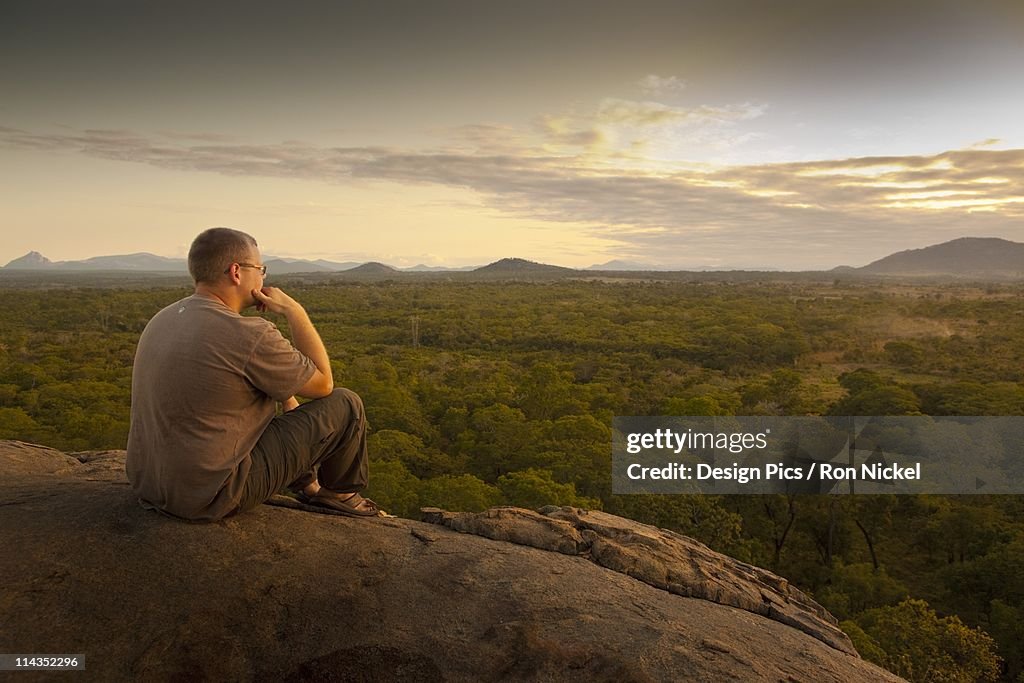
(924, 648)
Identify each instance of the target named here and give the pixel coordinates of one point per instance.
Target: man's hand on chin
(274, 300)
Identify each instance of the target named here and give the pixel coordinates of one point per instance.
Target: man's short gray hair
(214, 250)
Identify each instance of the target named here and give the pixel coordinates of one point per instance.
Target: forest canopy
(480, 394)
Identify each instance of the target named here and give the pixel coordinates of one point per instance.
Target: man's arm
(304, 337)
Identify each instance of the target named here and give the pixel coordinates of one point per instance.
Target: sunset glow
(658, 133)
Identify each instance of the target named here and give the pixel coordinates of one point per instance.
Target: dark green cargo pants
(323, 440)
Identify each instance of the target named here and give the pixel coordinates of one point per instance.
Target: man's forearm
(304, 336)
(307, 340)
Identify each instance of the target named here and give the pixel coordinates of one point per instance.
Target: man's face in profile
(251, 275)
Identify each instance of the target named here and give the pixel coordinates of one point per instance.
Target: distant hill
(373, 268)
(515, 266)
(142, 262)
(619, 264)
(33, 260)
(334, 265)
(423, 268)
(145, 262)
(983, 257)
(279, 266)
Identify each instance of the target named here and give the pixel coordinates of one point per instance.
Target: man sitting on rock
(204, 441)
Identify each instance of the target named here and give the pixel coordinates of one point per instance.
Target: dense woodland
(491, 393)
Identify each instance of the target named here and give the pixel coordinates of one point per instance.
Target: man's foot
(307, 493)
(351, 504)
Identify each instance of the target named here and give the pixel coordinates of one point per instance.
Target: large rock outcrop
(281, 594)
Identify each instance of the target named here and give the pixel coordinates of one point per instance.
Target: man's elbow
(318, 386)
(328, 387)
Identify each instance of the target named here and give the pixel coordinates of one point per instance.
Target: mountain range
(967, 257)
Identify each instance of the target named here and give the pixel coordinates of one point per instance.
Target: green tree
(421, 460)
(925, 648)
(387, 397)
(535, 488)
(863, 643)
(499, 440)
(1006, 624)
(698, 516)
(858, 587)
(700, 405)
(464, 493)
(547, 392)
(576, 450)
(394, 488)
(903, 353)
(869, 394)
(15, 423)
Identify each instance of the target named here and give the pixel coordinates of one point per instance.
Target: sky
(724, 134)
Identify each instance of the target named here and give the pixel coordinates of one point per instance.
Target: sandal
(354, 505)
(301, 496)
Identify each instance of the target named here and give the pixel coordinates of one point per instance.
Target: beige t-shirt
(204, 387)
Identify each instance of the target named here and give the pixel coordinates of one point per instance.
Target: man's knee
(350, 401)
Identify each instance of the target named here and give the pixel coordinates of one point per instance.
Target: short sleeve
(276, 367)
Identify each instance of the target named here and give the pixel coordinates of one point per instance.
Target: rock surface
(658, 557)
(281, 594)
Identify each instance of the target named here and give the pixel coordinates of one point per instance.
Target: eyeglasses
(262, 269)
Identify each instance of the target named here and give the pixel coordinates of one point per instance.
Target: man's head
(216, 250)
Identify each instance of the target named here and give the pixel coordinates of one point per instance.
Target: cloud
(620, 131)
(652, 84)
(485, 138)
(988, 142)
(570, 132)
(631, 112)
(797, 214)
(199, 136)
